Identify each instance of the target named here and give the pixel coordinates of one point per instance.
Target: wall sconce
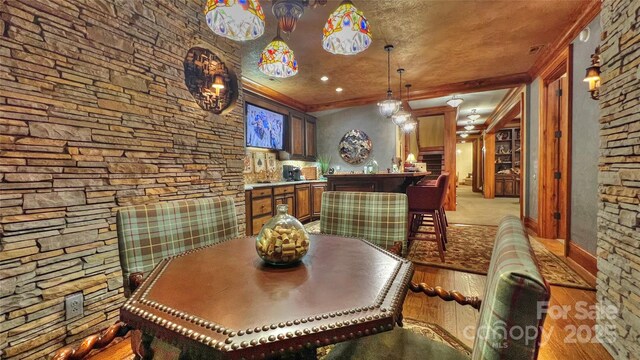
(593, 75)
(209, 80)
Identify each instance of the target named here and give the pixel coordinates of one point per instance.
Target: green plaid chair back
(509, 325)
(147, 234)
(380, 218)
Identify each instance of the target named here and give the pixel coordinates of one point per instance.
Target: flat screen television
(264, 128)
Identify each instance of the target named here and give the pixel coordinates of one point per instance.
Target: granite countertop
(279, 183)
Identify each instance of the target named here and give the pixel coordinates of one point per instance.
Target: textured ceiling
(436, 41)
(484, 102)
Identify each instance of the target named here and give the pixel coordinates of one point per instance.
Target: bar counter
(380, 182)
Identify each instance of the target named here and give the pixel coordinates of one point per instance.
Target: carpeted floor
(430, 331)
(469, 249)
(473, 209)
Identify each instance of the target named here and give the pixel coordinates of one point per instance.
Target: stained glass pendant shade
(237, 20)
(347, 31)
(278, 60)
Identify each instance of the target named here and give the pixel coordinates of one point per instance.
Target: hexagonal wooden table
(222, 301)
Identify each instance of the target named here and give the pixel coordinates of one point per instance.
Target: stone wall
(619, 177)
(94, 115)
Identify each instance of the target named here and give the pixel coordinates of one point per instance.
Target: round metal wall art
(355, 147)
(208, 79)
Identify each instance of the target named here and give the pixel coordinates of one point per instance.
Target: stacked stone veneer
(94, 115)
(619, 177)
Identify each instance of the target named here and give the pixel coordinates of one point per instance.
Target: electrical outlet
(74, 305)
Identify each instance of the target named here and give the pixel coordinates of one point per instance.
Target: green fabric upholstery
(380, 218)
(147, 234)
(513, 294)
(397, 344)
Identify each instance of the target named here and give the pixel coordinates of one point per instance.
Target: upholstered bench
(513, 291)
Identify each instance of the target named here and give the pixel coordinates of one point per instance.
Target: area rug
(469, 249)
(432, 332)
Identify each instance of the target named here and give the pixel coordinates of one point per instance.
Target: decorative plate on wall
(355, 147)
(208, 79)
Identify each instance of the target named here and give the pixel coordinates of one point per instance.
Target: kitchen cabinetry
(302, 137)
(316, 199)
(303, 202)
(310, 138)
(303, 199)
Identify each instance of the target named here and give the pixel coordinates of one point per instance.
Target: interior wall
(532, 138)
(431, 131)
(619, 181)
(464, 160)
(367, 118)
(95, 116)
(584, 147)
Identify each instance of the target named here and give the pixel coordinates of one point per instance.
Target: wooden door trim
(489, 179)
(558, 68)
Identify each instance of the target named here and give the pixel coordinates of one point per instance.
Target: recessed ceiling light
(324, 78)
(339, 89)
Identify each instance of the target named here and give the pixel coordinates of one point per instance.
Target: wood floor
(455, 318)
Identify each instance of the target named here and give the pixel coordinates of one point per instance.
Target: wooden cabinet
(285, 195)
(507, 185)
(316, 199)
(303, 202)
(310, 138)
(297, 136)
(507, 158)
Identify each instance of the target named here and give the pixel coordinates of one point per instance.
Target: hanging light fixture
(593, 75)
(410, 124)
(455, 101)
(288, 13)
(473, 116)
(469, 126)
(464, 135)
(389, 106)
(402, 115)
(347, 31)
(237, 20)
(277, 59)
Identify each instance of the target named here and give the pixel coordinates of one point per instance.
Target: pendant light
(238, 20)
(469, 125)
(473, 116)
(454, 102)
(402, 115)
(389, 106)
(277, 59)
(347, 31)
(410, 123)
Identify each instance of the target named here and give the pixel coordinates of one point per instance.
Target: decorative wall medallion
(355, 147)
(212, 84)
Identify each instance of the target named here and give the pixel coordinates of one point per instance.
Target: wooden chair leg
(409, 230)
(443, 227)
(439, 240)
(92, 342)
(444, 215)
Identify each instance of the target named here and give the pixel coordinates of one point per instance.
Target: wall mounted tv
(264, 128)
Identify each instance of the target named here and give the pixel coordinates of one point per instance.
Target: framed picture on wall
(248, 163)
(259, 162)
(271, 162)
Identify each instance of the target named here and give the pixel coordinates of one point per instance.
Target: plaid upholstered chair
(147, 234)
(514, 291)
(380, 218)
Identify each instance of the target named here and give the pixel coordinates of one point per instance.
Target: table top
(381, 175)
(223, 299)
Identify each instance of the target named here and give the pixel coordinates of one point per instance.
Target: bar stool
(426, 205)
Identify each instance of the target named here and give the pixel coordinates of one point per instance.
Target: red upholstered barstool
(425, 209)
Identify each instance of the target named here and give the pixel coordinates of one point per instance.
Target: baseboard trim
(531, 225)
(582, 258)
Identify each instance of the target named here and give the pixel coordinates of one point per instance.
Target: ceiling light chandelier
(473, 116)
(469, 125)
(455, 101)
(410, 123)
(464, 135)
(238, 20)
(389, 106)
(347, 31)
(277, 59)
(402, 115)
